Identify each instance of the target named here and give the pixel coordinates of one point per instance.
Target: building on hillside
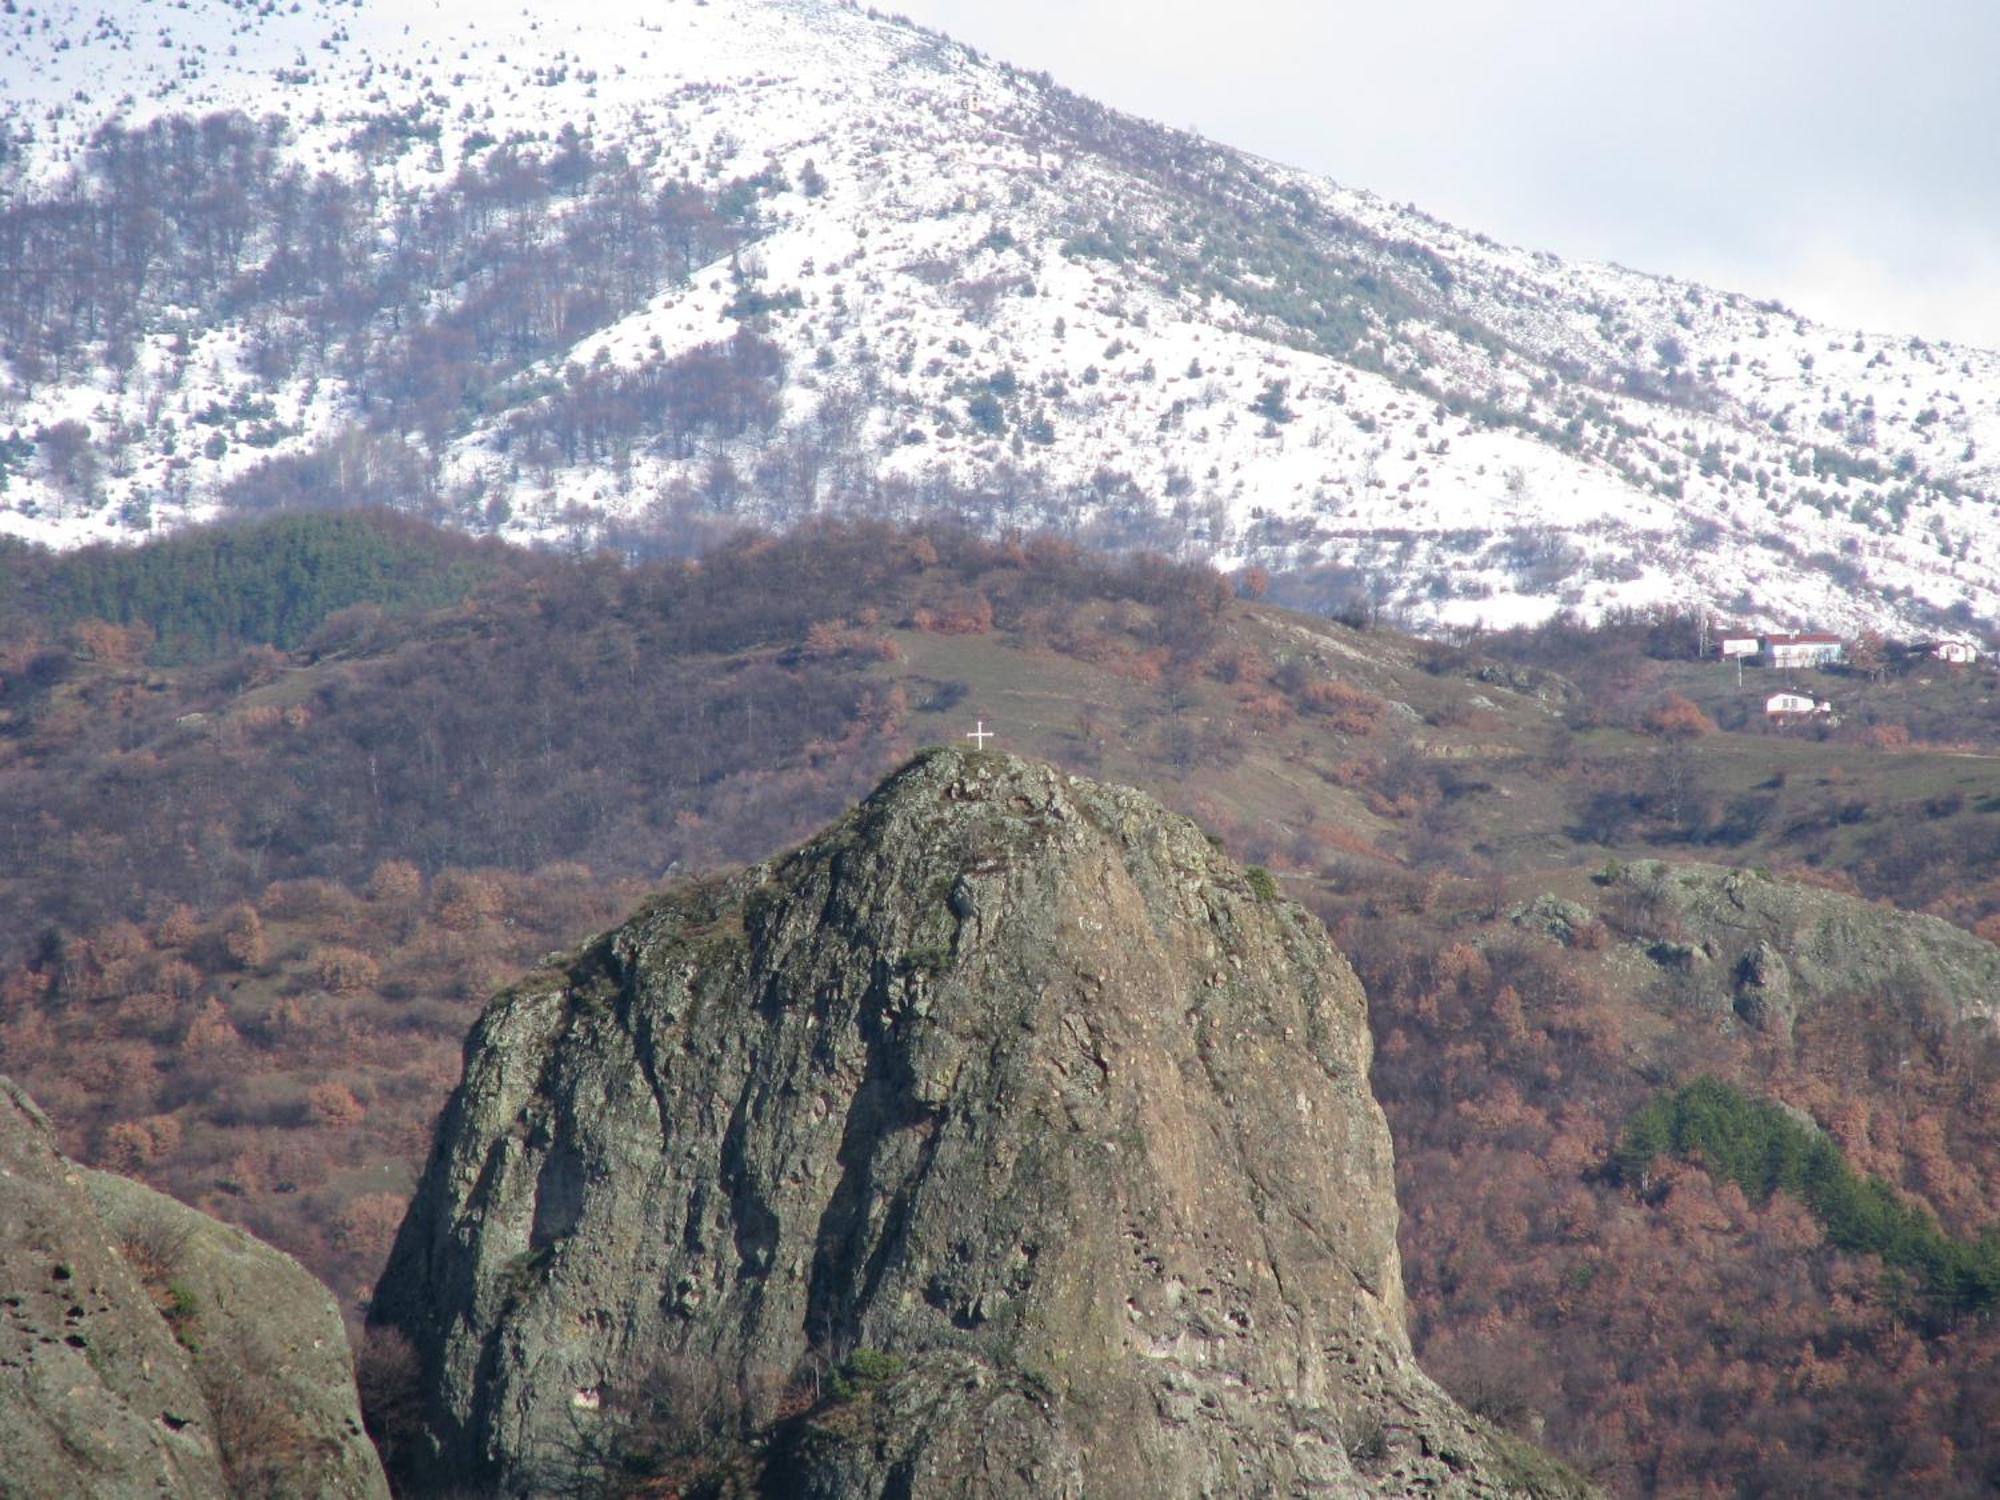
(1808, 650)
(1956, 650)
(1786, 705)
(1730, 644)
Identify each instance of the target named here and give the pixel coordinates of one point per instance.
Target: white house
(1956, 650)
(1781, 704)
(1808, 650)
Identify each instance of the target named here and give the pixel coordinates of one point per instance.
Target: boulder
(147, 1350)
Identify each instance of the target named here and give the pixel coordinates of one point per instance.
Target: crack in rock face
(1003, 1140)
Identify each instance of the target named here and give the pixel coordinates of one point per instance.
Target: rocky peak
(1006, 1139)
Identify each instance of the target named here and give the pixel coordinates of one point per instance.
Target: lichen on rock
(1001, 1141)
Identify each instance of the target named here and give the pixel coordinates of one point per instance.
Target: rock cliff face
(1006, 1139)
(147, 1350)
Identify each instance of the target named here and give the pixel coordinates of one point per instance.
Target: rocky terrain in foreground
(147, 1350)
(1006, 1139)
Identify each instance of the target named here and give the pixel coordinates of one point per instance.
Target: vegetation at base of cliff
(182, 1311)
(1529, 1469)
(1763, 1149)
(686, 1430)
(341, 298)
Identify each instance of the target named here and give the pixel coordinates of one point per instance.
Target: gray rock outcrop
(1554, 918)
(148, 1350)
(1004, 1141)
(1772, 949)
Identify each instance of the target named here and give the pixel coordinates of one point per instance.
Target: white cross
(980, 736)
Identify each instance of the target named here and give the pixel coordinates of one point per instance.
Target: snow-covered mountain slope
(569, 274)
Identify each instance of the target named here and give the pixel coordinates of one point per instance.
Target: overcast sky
(1841, 156)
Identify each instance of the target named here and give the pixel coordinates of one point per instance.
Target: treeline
(1566, 643)
(429, 310)
(212, 590)
(716, 391)
(1763, 1149)
(207, 214)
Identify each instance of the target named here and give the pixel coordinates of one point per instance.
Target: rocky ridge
(1770, 948)
(148, 1350)
(1006, 1139)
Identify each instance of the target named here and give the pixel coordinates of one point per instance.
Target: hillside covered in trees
(287, 802)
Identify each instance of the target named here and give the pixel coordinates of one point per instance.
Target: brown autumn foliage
(178, 927)
(344, 970)
(968, 616)
(239, 936)
(1345, 708)
(395, 880)
(1687, 1342)
(111, 645)
(1676, 717)
(132, 1144)
(367, 1225)
(242, 1093)
(334, 1106)
(567, 710)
